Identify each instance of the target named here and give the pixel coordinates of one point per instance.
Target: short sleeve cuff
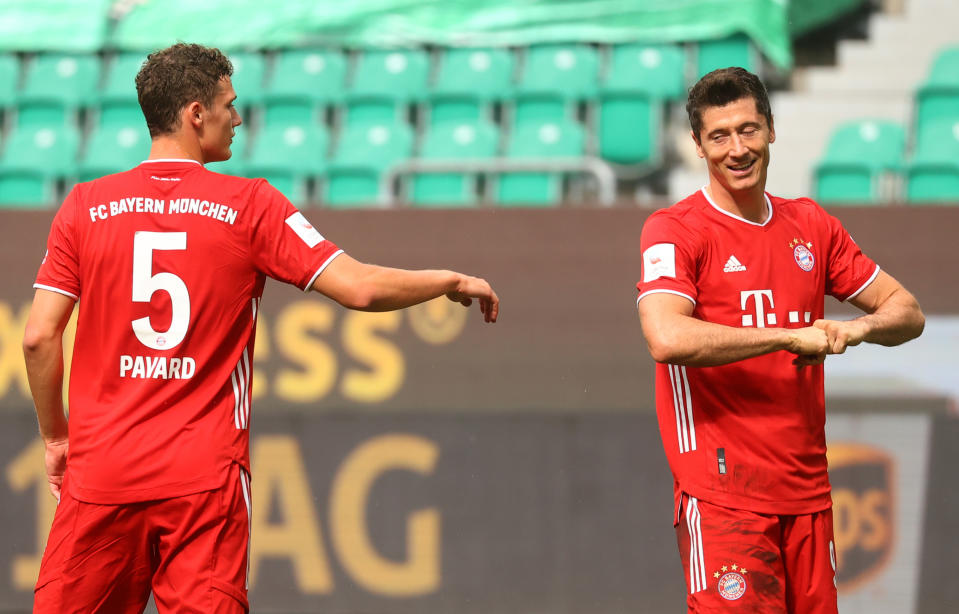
(864, 286)
(664, 291)
(321, 269)
(57, 290)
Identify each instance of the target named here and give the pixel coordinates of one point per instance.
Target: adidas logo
(733, 265)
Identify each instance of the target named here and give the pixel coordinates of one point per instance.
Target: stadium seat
(656, 70)
(249, 68)
(453, 141)
(363, 153)
(933, 173)
(33, 159)
(938, 96)
(468, 80)
(735, 50)
(288, 156)
(629, 126)
(384, 81)
(9, 78)
(539, 142)
(302, 82)
(120, 84)
(858, 156)
(112, 148)
(55, 86)
(554, 76)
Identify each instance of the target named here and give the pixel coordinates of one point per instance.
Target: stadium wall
(424, 462)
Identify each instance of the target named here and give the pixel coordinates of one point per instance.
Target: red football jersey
(750, 434)
(168, 262)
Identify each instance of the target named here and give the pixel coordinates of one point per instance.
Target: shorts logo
(802, 254)
(732, 584)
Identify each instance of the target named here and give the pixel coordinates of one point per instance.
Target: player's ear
(193, 113)
(699, 145)
(772, 130)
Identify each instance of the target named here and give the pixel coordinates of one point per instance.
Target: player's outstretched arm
(674, 336)
(368, 287)
(892, 317)
(43, 353)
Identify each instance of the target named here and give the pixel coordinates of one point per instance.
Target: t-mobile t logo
(763, 315)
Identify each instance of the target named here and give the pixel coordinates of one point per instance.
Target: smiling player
(731, 302)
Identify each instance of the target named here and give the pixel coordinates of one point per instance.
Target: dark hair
(174, 77)
(724, 86)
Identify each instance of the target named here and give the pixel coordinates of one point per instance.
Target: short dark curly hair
(174, 77)
(724, 86)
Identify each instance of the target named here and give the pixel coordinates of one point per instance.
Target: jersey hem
(321, 269)
(810, 505)
(168, 491)
(57, 290)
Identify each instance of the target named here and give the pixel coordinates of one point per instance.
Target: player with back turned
(167, 262)
(731, 303)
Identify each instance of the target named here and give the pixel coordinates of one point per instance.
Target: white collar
(171, 160)
(769, 204)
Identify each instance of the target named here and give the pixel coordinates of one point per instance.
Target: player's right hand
(475, 287)
(810, 344)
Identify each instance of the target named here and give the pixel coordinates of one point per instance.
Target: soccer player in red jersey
(731, 304)
(167, 262)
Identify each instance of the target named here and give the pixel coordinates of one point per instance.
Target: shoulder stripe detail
(865, 285)
(648, 292)
(697, 562)
(57, 290)
(683, 406)
(321, 269)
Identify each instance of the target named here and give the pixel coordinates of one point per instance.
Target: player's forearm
(684, 340)
(897, 320)
(44, 361)
(385, 289)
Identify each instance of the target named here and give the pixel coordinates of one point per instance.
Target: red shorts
(738, 561)
(191, 551)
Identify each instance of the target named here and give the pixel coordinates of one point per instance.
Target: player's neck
(749, 205)
(175, 146)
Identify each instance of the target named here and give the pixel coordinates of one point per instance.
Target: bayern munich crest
(802, 252)
(732, 582)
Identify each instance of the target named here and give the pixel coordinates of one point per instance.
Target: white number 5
(145, 284)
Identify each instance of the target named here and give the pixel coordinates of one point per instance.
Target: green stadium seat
(55, 86)
(736, 50)
(468, 81)
(9, 78)
(539, 141)
(33, 159)
(113, 148)
(859, 154)
(453, 141)
(363, 153)
(938, 97)
(303, 81)
(249, 68)
(120, 84)
(933, 172)
(288, 156)
(629, 127)
(656, 70)
(554, 76)
(384, 81)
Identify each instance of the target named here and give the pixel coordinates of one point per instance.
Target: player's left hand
(56, 463)
(842, 334)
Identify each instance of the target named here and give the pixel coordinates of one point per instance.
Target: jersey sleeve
(850, 271)
(284, 245)
(60, 269)
(669, 259)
